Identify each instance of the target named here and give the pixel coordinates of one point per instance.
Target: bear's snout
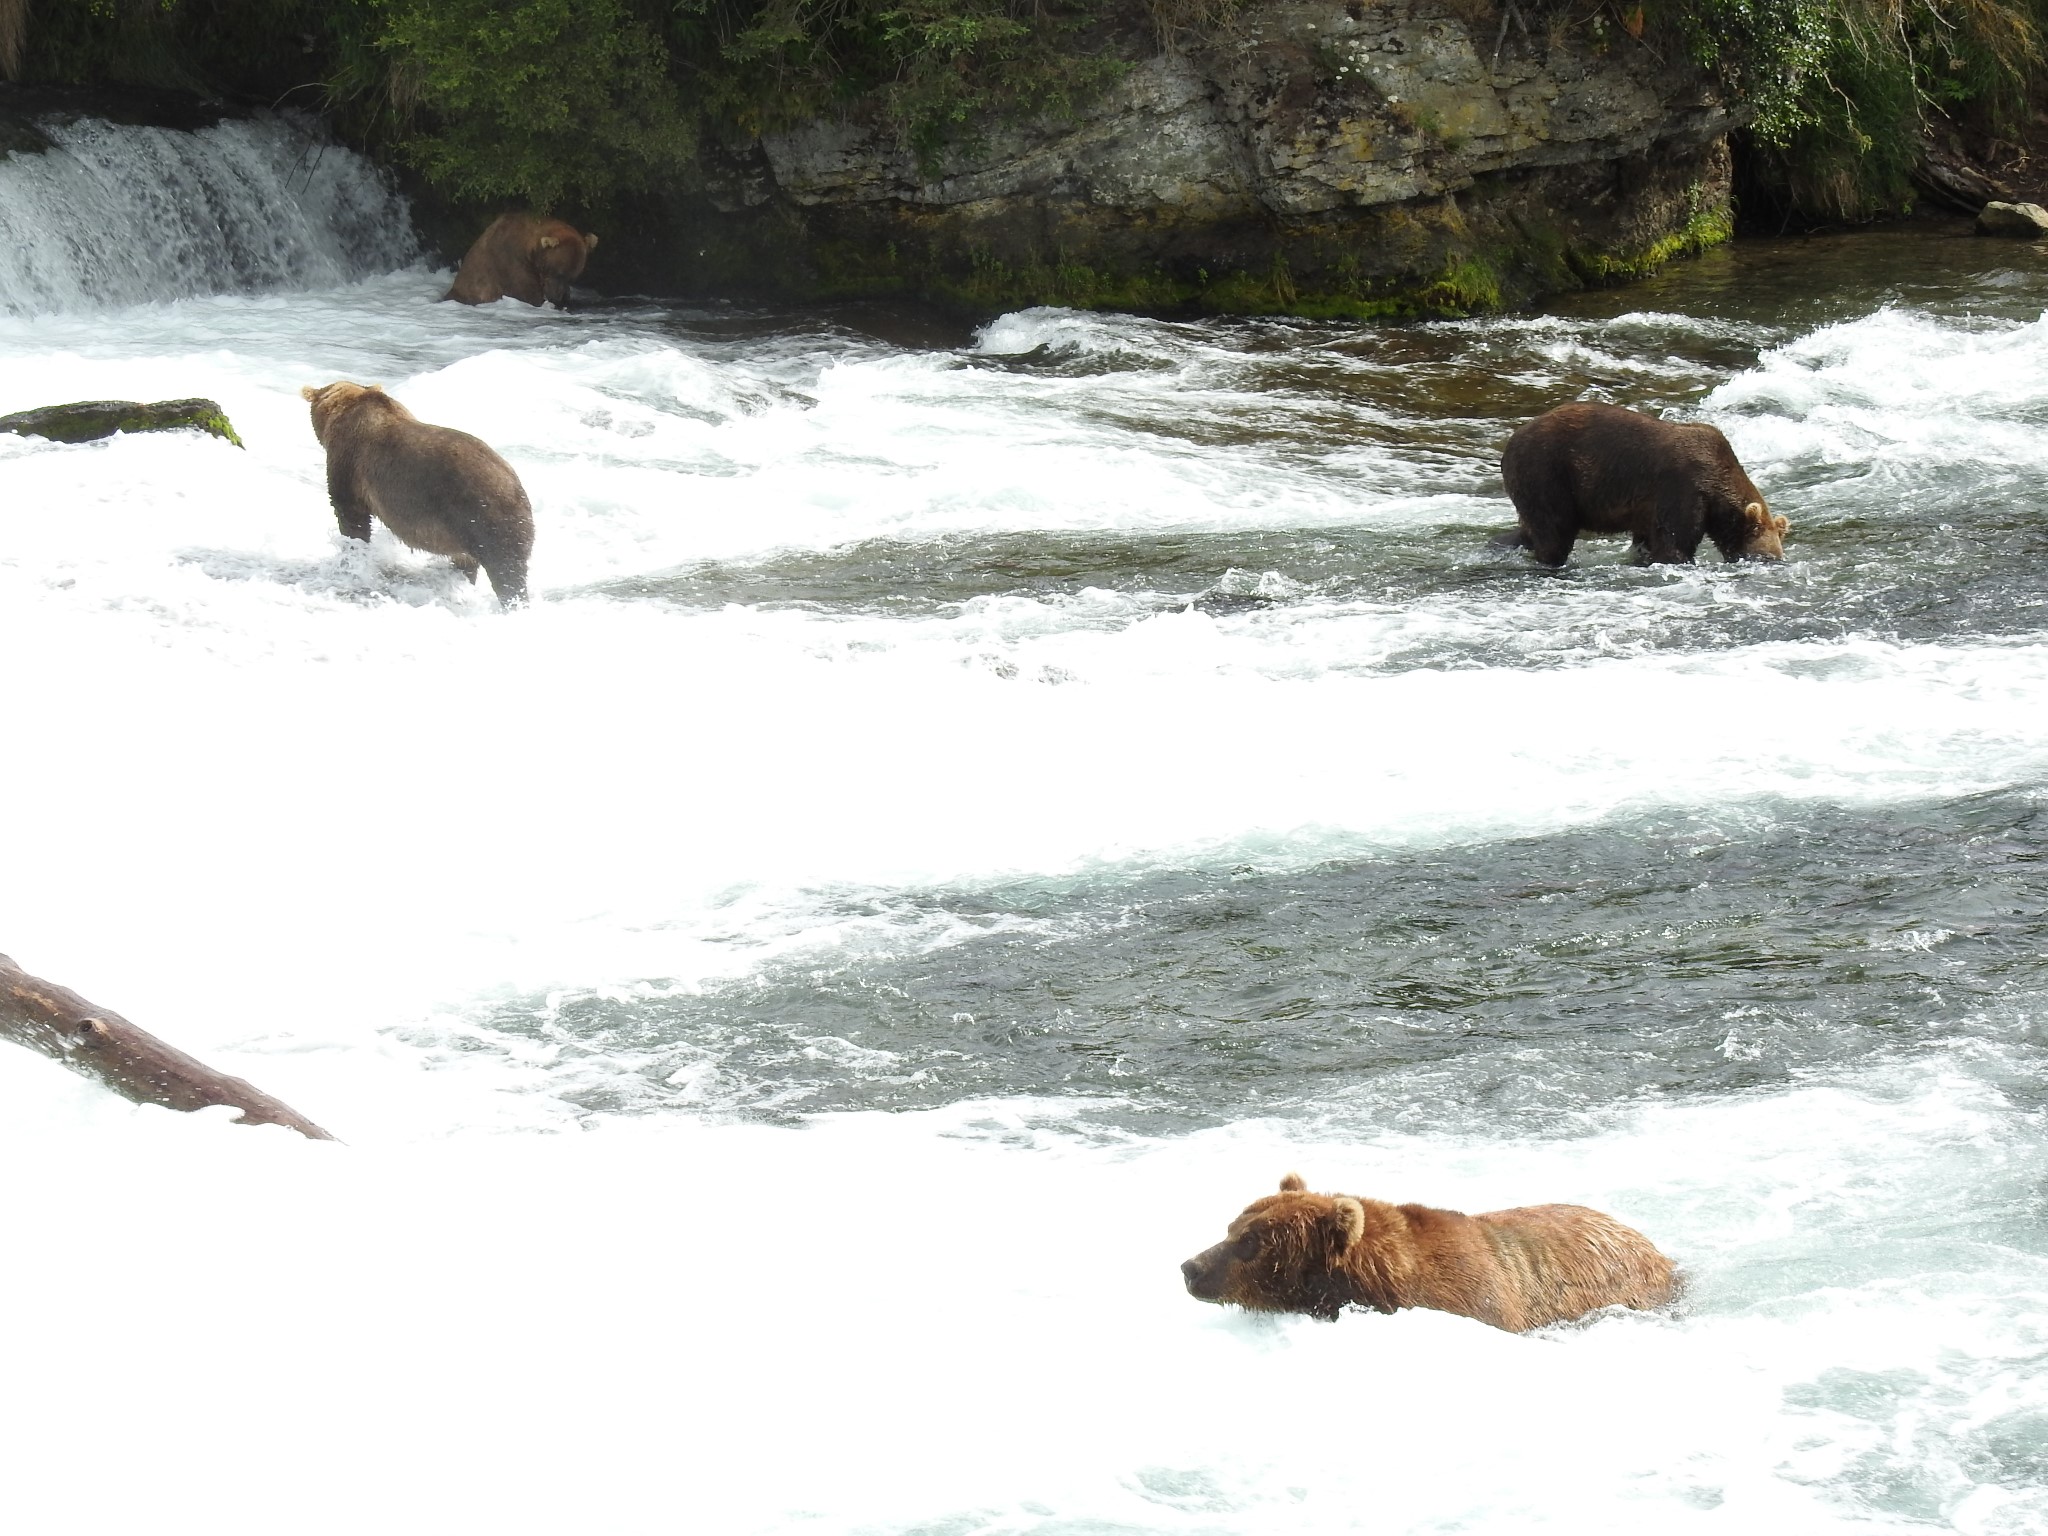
(1201, 1276)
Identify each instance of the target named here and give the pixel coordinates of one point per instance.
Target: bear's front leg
(1677, 524)
(1549, 546)
(351, 511)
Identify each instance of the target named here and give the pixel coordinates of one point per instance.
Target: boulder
(2024, 221)
(85, 420)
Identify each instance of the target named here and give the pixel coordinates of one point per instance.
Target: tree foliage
(539, 100)
(1845, 90)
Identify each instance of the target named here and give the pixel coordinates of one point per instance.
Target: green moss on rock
(87, 421)
(1708, 227)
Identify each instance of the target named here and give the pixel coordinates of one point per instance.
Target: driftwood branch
(102, 1045)
(1950, 177)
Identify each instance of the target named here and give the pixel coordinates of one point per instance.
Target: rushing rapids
(966, 812)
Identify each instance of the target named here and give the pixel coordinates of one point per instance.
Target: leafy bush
(539, 100)
(929, 68)
(1844, 90)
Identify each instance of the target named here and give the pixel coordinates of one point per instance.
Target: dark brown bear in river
(1516, 1269)
(522, 256)
(1591, 468)
(438, 489)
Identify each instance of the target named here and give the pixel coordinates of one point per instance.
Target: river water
(967, 811)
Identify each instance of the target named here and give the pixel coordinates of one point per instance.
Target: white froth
(1892, 395)
(285, 800)
(895, 1323)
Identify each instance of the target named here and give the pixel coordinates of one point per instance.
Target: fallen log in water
(84, 421)
(134, 1063)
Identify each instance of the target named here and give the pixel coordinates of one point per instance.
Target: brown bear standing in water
(1518, 1269)
(1590, 468)
(438, 489)
(525, 257)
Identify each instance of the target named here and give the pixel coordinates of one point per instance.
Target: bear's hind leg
(509, 583)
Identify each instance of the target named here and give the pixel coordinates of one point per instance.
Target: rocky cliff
(1382, 157)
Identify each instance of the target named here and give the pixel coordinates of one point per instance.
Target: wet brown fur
(436, 488)
(1516, 1269)
(524, 257)
(1592, 468)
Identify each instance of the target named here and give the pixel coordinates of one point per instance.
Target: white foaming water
(962, 1321)
(119, 215)
(283, 799)
(1894, 393)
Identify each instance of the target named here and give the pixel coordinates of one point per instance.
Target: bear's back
(1618, 444)
(522, 256)
(1568, 1260)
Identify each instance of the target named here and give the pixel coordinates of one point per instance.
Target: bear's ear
(1782, 523)
(1755, 516)
(308, 392)
(1293, 1184)
(548, 242)
(590, 242)
(1344, 1225)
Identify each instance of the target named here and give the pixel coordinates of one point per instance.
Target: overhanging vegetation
(577, 102)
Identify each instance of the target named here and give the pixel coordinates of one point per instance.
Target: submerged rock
(85, 421)
(2025, 221)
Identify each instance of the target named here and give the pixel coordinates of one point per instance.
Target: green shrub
(931, 69)
(1844, 90)
(539, 100)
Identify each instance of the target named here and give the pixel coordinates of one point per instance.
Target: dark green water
(1535, 980)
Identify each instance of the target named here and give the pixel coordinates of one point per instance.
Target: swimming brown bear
(1516, 1269)
(525, 257)
(1591, 468)
(438, 489)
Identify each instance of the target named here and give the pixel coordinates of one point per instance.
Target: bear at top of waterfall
(1517, 1269)
(522, 256)
(436, 488)
(1592, 468)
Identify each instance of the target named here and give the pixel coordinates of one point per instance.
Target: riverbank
(1312, 157)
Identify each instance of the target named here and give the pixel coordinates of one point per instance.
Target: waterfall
(112, 215)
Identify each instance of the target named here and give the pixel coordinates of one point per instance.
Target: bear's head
(333, 401)
(1763, 534)
(1285, 1253)
(558, 256)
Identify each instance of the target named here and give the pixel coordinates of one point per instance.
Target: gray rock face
(1376, 156)
(1154, 140)
(2024, 221)
(1308, 110)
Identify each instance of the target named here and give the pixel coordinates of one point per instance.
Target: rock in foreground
(2024, 221)
(87, 420)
